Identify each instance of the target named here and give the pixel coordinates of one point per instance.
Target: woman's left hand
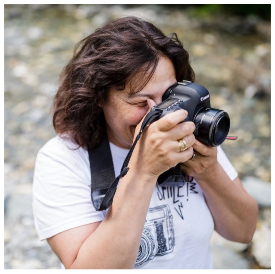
(233, 210)
(202, 162)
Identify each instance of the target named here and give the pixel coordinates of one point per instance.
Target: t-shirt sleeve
(61, 189)
(226, 164)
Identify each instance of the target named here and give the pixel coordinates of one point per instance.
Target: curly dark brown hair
(110, 57)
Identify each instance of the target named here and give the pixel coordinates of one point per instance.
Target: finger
(176, 156)
(202, 148)
(195, 158)
(171, 120)
(184, 156)
(188, 140)
(181, 130)
(175, 146)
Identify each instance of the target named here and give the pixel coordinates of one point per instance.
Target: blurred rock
(198, 50)
(261, 244)
(28, 264)
(209, 38)
(259, 190)
(7, 236)
(34, 33)
(225, 258)
(262, 50)
(264, 173)
(218, 240)
(250, 91)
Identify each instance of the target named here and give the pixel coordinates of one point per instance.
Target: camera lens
(147, 247)
(212, 126)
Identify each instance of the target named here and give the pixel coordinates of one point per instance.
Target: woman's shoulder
(61, 158)
(62, 144)
(62, 148)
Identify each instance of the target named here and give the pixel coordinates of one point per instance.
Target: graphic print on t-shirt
(158, 235)
(177, 194)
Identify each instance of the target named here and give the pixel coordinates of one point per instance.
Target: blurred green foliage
(262, 11)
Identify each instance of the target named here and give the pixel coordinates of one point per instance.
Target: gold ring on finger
(182, 144)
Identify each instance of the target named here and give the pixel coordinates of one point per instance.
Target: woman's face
(123, 111)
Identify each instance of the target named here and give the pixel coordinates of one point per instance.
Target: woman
(114, 78)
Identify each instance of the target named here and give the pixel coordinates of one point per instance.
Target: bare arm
(114, 242)
(234, 211)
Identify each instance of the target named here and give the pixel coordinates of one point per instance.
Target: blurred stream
(231, 57)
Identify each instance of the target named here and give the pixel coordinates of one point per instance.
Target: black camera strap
(102, 168)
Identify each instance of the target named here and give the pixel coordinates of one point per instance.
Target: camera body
(212, 125)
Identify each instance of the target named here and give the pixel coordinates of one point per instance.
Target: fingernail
(185, 112)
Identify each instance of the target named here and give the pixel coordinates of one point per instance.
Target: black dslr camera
(212, 125)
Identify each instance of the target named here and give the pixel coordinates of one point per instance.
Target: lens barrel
(212, 126)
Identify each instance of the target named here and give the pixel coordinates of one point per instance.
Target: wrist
(141, 172)
(132, 189)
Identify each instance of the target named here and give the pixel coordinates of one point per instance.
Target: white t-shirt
(178, 226)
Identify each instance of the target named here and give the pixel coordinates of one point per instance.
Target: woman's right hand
(158, 148)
